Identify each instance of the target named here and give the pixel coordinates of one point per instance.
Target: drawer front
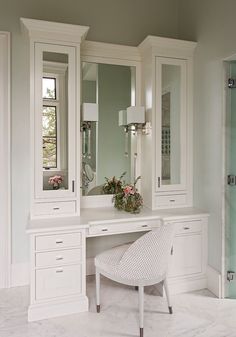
(58, 241)
(58, 257)
(54, 208)
(186, 227)
(126, 227)
(60, 281)
(171, 200)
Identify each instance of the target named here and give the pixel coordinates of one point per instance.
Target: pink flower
(128, 190)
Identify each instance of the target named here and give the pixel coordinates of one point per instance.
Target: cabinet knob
(185, 228)
(104, 230)
(58, 258)
(59, 241)
(59, 271)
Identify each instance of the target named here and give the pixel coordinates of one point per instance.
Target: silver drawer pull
(59, 241)
(185, 228)
(59, 271)
(172, 200)
(144, 225)
(58, 258)
(104, 230)
(56, 208)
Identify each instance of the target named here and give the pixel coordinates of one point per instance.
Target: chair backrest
(147, 258)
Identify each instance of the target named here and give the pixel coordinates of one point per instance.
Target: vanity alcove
(68, 164)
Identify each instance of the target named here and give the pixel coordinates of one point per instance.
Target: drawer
(58, 257)
(54, 208)
(171, 200)
(58, 241)
(186, 227)
(60, 281)
(131, 226)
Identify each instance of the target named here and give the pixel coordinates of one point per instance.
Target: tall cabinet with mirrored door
(167, 94)
(55, 116)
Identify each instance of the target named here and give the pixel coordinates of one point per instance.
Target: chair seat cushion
(109, 260)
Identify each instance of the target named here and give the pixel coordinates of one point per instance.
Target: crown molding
(162, 45)
(47, 30)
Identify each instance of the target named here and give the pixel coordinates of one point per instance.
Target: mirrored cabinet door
(171, 124)
(54, 120)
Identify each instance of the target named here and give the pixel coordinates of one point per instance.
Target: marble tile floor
(195, 314)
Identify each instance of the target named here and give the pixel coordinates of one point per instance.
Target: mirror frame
(106, 53)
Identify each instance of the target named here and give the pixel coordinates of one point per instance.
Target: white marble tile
(196, 314)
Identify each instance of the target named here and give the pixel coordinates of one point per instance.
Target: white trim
(59, 32)
(5, 162)
(19, 274)
(214, 281)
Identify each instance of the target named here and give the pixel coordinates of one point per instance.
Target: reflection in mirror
(170, 124)
(55, 121)
(112, 87)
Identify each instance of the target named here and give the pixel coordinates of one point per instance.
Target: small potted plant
(55, 181)
(128, 199)
(113, 185)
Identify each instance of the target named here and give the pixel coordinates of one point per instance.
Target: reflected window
(49, 88)
(49, 123)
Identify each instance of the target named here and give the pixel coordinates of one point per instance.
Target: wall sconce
(89, 114)
(132, 119)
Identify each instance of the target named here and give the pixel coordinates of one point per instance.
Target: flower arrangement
(128, 199)
(113, 185)
(55, 181)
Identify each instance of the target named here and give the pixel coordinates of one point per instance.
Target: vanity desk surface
(104, 216)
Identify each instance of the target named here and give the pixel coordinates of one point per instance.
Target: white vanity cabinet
(55, 116)
(187, 270)
(167, 95)
(57, 273)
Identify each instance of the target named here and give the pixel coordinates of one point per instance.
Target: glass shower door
(231, 187)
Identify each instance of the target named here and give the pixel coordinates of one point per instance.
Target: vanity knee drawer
(129, 226)
(58, 257)
(185, 227)
(54, 208)
(57, 241)
(57, 282)
(171, 200)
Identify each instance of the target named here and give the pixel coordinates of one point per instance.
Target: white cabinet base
(57, 308)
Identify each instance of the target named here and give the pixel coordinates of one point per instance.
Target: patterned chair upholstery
(139, 264)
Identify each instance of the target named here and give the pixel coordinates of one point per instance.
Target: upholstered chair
(139, 264)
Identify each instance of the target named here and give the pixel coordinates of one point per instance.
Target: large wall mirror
(107, 152)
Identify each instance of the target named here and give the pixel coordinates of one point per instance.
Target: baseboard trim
(179, 285)
(19, 274)
(67, 307)
(214, 281)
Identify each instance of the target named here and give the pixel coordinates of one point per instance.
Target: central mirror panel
(112, 88)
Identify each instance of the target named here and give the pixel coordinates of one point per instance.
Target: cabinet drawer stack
(57, 269)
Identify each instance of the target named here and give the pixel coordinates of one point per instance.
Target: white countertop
(92, 216)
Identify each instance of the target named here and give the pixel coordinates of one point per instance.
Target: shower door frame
(225, 162)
